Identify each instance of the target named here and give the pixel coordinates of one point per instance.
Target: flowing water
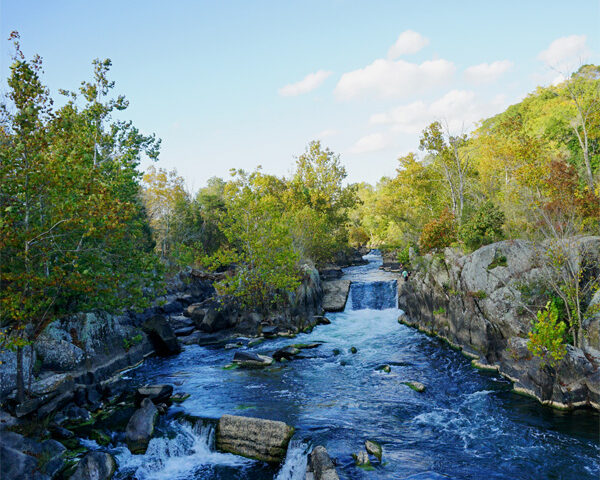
(466, 425)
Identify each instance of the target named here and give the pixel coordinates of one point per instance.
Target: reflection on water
(466, 425)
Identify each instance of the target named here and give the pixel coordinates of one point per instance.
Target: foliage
(439, 233)
(484, 227)
(73, 234)
(547, 338)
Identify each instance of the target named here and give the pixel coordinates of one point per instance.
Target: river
(465, 425)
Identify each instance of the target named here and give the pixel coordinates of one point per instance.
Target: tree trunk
(20, 379)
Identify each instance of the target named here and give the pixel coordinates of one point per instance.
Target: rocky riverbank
(482, 303)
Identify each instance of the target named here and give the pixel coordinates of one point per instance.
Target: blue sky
(236, 84)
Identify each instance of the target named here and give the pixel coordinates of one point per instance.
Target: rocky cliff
(484, 304)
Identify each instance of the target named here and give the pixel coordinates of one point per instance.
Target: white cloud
(307, 84)
(565, 53)
(330, 132)
(461, 109)
(487, 72)
(408, 42)
(388, 78)
(369, 143)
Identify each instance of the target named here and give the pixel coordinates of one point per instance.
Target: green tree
(484, 227)
(73, 234)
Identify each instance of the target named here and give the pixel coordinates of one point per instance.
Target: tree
(72, 233)
(320, 203)
(439, 233)
(164, 193)
(484, 227)
(453, 158)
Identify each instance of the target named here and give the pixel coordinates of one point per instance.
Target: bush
(404, 256)
(439, 233)
(358, 236)
(484, 227)
(547, 338)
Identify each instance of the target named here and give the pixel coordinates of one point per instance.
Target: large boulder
(24, 458)
(256, 438)
(95, 466)
(335, 294)
(162, 336)
(140, 428)
(215, 320)
(320, 466)
(58, 354)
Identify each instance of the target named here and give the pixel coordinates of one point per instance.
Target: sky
(237, 84)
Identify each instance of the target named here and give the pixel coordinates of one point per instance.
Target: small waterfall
(294, 466)
(187, 449)
(377, 295)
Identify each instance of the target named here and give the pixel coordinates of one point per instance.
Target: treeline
(529, 172)
(265, 226)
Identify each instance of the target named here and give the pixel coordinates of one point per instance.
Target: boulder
(191, 339)
(361, 459)
(162, 336)
(320, 320)
(320, 466)
(140, 427)
(330, 272)
(264, 440)
(17, 465)
(269, 331)
(416, 386)
(184, 331)
(196, 312)
(215, 320)
(335, 294)
(181, 321)
(374, 449)
(58, 355)
(288, 353)
(157, 393)
(251, 360)
(23, 457)
(95, 466)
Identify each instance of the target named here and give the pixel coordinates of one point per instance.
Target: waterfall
(294, 466)
(377, 295)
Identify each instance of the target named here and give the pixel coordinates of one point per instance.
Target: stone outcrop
(320, 466)
(251, 360)
(162, 335)
(22, 457)
(95, 466)
(140, 428)
(256, 438)
(335, 294)
(483, 303)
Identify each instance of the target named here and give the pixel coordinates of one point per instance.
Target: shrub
(484, 227)
(439, 233)
(547, 338)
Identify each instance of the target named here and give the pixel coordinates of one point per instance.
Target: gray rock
(58, 355)
(191, 339)
(416, 386)
(361, 459)
(269, 331)
(251, 360)
(140, 427)
(157, 393)
(264, 440)
(19, 466)
(215, 320)
(180, 321)
(330, 272)
(184, 331)
(320, 466)
(196, 312)
(95, 466)
(335, 294)
(162, 336)
(287, 352)
(374, 449)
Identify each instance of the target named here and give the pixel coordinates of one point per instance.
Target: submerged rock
(374, 449)
(416, 386)
(320, 466)
(384, 368)
(353, 350)
(252, 360)
(140, 428)
(95, 466)
(322, 320)
(256, 438)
